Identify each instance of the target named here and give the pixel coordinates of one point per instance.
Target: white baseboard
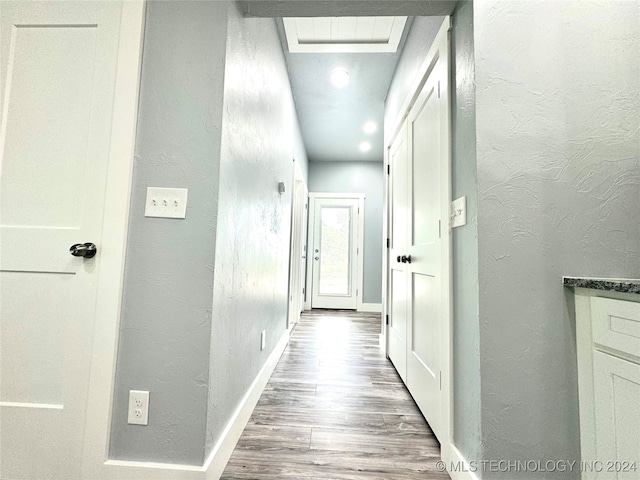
(119, 469)
(371, 307)
(452, 457)
(217, 461)
(219, 456)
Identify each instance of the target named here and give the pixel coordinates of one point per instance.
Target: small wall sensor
(281, 188)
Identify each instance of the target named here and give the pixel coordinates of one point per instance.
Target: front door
(334, 253)
(57, 74)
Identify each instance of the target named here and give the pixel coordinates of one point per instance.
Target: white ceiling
(344, 8)
(332, 119)
(343, 34)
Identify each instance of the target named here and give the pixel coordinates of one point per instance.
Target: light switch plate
(166, 202)
(459, 212)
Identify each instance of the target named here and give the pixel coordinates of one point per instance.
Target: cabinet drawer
(616, 324)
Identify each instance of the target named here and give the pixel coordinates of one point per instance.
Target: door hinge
(388, 169)
(358, 251)
(356, 292)
(438, 89)
(439, 228)
(440, 379)
(387, 319)
(388, 243)
(303, 292)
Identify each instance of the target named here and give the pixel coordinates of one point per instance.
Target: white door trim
(313, 196)
(439, 48)
(296, 250)
(113, 241)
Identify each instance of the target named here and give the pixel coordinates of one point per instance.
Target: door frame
(298, 246)
(113, 243)
(439, 51)
(313, 196)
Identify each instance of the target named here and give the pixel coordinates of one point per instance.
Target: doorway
(298, 265)
(335, 262)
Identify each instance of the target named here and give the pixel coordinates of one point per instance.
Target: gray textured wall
(252, 255)
(358, 177)
(558, 149)
(200, 59)
(166, 311)
(299, 153)
(419, 40)
(466, 335)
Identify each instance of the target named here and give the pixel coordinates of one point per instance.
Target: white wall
(558, 152)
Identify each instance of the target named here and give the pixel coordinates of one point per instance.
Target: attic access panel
(344, 34)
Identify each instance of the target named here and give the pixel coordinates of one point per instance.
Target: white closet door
(398, 202)
(57, 72)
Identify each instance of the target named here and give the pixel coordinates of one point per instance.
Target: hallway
(335, 408)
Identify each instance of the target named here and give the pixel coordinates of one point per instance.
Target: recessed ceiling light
(339, 77)
(365, 146)
(370, 127)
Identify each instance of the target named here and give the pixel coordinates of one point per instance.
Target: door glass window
(335, 248)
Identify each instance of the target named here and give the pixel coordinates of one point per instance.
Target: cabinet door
(617, 398)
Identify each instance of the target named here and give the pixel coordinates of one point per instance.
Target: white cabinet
(617, 414)
(608, 341)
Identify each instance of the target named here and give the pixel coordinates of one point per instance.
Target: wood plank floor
(335, 409)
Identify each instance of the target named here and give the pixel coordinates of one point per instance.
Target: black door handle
(406, 259)
(86, 250)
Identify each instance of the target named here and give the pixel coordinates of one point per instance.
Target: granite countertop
(625, 285)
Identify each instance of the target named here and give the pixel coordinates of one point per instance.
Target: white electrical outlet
(166, 202)
(263, 339)
(138, 407)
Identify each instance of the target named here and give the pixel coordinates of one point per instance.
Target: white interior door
(304, 240)
(418, 258)
(335, 251)
(298, 246)
(424, 254)
(398, 209)
(57, 74)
